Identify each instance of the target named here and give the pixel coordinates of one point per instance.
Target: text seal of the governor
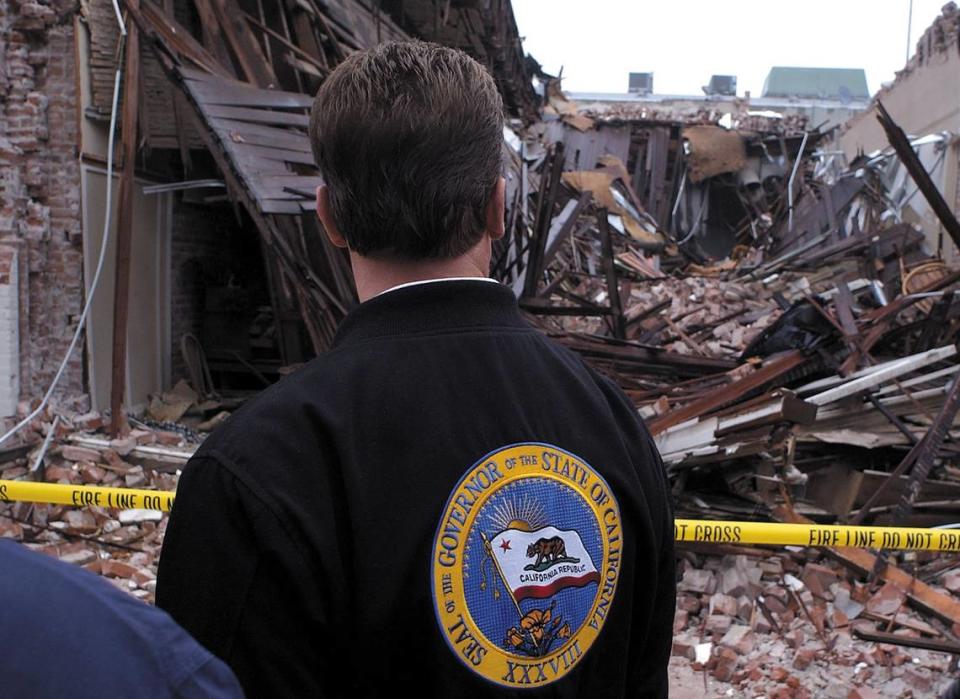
(525, 564)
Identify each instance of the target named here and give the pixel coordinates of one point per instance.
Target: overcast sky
(684, 42)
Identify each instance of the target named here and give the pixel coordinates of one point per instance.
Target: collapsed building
(823, 97)
(924, 109)
(777, 300)
(215, 248)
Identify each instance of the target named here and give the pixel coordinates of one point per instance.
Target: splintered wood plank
(256, 116)
(719, 397)
(280, 206)
(307, 38)
(254, 64)
(280, 184)
(175, 35)
(279, 187)
(180, 110)
(236, 95)
(279, 154)
(259, 135)
(314, 65)
(213, 39)
(207, 77)
(262, 194)
(305, 67)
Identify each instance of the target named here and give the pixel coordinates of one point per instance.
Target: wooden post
(613, 284)
(545, 206)
(121, 290)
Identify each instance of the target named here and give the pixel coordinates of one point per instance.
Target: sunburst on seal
(527, 514)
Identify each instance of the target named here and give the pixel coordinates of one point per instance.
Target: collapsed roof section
(485, 29)
(243, 77)
(236, 119)
(237, 78)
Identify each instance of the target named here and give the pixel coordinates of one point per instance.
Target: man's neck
(374, 276)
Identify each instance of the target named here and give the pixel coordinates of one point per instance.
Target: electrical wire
(103, 254)
(123, 28)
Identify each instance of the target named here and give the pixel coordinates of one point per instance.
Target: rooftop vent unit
(640, 83)
(725, 85)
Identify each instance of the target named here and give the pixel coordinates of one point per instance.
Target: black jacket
(446, 501)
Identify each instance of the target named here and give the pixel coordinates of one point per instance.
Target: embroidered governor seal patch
(525, 564)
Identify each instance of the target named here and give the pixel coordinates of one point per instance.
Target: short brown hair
(408, 137)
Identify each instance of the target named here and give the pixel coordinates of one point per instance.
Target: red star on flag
(505, 544)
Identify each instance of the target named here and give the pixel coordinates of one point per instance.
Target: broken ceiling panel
(713, 151)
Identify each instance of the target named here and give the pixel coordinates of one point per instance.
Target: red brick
(739, 638)
(803, 658)
(80, 522)
(91, 473)
(723, 604)
(697, 580)
(864, 693)
(727, 660)
(54, 474)
(170, 439)
(117, 569)
(10, 529)
(123, 446)
(717, 624)
(144, 436)
(684, 648)
(88, 421)
(75, 453)
(779, 673)
(680, 620)
(888, 600)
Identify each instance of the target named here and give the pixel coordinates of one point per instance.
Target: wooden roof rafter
(248, 84)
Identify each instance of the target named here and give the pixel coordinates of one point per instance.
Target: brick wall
(9, 330)
(40, 185)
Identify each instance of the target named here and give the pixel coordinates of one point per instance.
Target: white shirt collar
(434, 281)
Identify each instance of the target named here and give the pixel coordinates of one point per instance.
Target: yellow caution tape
(832, 535)
(84, 495)
(703, 531)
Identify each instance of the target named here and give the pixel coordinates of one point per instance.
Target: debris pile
(792, 624)
(808, 363)
(788, 331)
(694, 316)
(121, 545)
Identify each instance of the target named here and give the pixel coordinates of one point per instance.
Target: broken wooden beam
(121, 289)
(896, 639)
(613, 285)
(720, 397)
(901, 144)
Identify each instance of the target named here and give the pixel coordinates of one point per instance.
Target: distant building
(824, 97)
(842, 84)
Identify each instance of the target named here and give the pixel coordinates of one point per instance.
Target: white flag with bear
(540, 563)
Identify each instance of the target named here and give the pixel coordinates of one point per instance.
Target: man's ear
(496, 209)
(325, 214)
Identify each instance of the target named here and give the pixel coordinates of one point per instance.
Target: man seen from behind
(445, 502)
